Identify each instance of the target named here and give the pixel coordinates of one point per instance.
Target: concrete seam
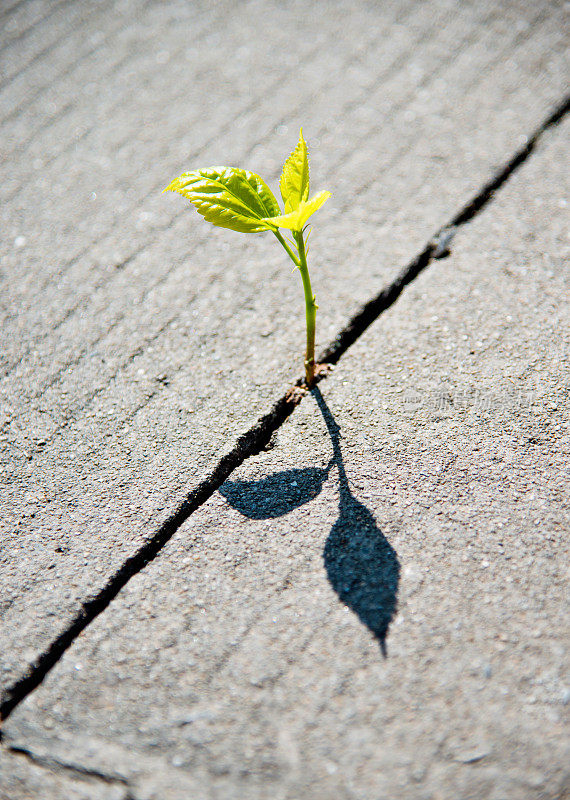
(55, 765)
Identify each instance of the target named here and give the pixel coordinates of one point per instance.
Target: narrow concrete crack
(438, 244)
(258, 437)
(73, 770)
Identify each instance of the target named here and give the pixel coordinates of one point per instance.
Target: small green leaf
(294, 183)
(228, 197)
(295, 220)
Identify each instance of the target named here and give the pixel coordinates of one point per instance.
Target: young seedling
(242, 201)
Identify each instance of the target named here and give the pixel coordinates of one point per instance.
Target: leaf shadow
(361, 565)
(277, 494)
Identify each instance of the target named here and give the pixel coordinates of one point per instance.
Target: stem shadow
(361, 565)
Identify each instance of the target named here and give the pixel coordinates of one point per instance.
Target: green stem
(310, 310)
(290, 253)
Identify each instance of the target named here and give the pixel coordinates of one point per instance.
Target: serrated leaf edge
(288, 192)
(174, 186)
(295, 220)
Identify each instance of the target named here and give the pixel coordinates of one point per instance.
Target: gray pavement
(246, 660)
(23, 778)
(138, 347)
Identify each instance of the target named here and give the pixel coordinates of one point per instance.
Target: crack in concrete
(56, 765)
(385, 298)
(258, 437)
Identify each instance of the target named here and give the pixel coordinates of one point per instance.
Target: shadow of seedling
(277, 494)
(361, 565)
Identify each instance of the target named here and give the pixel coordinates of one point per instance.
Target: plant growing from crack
(242, 201)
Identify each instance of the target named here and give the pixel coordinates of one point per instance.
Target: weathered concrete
(137, 344)
(22, 778)
(245, 661)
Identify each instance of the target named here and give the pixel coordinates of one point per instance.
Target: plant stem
(310, 310)
(288, 250)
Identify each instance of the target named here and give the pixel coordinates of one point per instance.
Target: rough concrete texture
(137, 344)
(21, 777)
(417, 508)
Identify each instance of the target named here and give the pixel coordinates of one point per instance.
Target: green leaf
(294, 183)
(228, 197)
(296, 220)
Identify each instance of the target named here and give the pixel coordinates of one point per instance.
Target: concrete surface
(376, 606)
(23, 778)
(137, 344)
